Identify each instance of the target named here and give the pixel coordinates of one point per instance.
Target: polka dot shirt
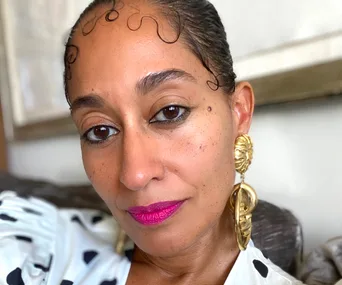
(40, 244)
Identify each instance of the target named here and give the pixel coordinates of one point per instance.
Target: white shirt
(40, 244)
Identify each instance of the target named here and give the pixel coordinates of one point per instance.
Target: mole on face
(209, 108)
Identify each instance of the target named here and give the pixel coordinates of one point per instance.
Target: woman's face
(153, 131)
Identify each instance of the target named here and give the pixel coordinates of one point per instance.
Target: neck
(210, 258)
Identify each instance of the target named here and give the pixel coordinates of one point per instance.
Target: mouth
(155, 214)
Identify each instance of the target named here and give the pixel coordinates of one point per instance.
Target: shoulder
(39, 242)
(252, 267)
(265, 268)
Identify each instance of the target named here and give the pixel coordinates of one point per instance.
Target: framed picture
(32, 38)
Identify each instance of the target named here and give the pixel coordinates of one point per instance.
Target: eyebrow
(153, 80)
(88, 101)
(144, 86)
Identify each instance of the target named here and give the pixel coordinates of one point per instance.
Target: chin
(162, 243)
(162, 248)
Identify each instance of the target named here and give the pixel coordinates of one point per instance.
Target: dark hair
(198, 25)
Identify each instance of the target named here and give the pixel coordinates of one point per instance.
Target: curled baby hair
(198, 26)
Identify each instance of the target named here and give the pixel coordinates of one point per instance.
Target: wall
(3, 150)
(55, 159)
(253, 26)
(298, 154)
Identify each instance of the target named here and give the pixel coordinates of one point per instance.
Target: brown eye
(170, 114)
(100, 134)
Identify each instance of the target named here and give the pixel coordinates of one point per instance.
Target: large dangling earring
(120, 242)
(243, 199)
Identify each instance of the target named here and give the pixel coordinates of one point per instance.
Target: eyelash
(85, 138)
(180, 118)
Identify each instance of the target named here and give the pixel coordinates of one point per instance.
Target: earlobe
(243, 106)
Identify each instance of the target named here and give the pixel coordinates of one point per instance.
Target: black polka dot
(23, 238)
(41, 267)
(261, 268)
(44, 268)
(129, 254)
(77, 219)
(14, 278)
(96, 219)
(113, 282)
(88, 256)
(34, 212)
(66, 282)
(5, 217)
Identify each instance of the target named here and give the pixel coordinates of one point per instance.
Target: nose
(141, 162)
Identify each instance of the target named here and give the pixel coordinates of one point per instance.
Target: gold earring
(243, 199)
(120, 242)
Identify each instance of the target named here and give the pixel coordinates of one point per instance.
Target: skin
(145, 161)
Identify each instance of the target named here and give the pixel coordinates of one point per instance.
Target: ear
(243, 107)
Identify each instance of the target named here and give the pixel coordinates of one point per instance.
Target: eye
(99, 134)
(171, 114)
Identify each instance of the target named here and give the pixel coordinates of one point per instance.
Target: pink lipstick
(156, 213)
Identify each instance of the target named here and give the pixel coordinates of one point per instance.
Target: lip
(155, 214)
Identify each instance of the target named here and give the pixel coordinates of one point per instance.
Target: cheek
(100, 169)
(204, 158)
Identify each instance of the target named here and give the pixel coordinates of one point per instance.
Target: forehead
(121, 52)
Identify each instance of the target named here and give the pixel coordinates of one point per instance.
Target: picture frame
(32, 42)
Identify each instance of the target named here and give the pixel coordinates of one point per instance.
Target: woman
(163, 126)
